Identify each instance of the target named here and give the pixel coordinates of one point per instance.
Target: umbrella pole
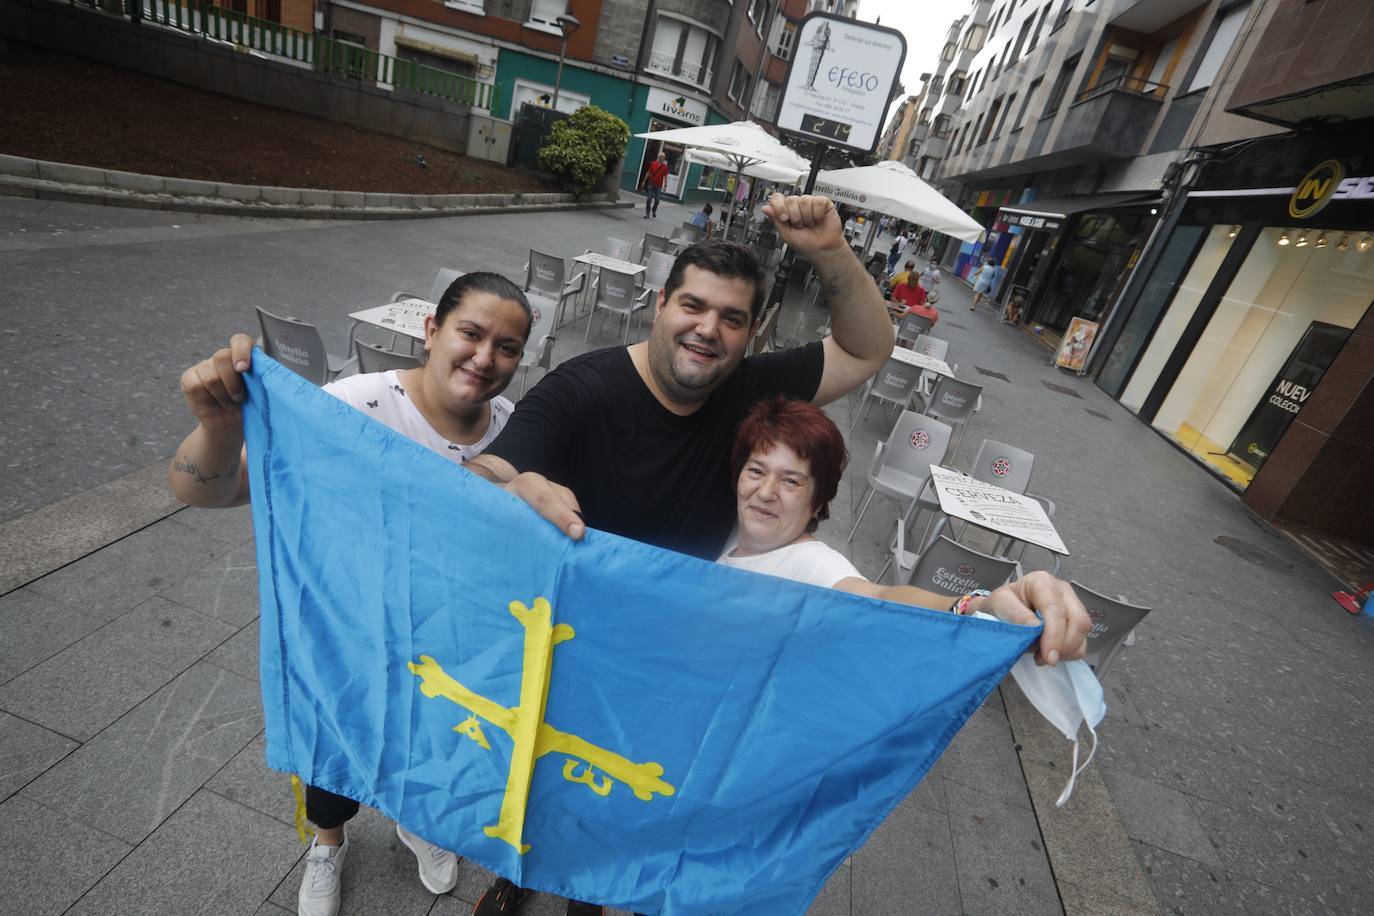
(730, 204)
(784, 275)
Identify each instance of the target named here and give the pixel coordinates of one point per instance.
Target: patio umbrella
(741, 143)
(767, 171)
(895, 190)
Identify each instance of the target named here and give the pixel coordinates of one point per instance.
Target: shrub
(582, 149)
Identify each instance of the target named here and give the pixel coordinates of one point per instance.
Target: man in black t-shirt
(636, 440)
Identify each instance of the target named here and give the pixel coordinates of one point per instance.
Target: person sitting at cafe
(787, 463)
(909, 299)
(702, 219)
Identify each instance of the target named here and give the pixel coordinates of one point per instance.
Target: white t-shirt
(812, 562)
(929, 278)
(382, 397)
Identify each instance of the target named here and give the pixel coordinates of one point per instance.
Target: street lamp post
(568, 23)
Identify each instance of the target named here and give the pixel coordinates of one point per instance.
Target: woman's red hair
(806, 430)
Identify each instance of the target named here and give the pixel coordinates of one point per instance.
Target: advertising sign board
(989, 506)
(840, 81)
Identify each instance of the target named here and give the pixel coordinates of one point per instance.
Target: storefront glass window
(1181, 310)
(1092, 269)
(1279, 325)
(1158, 290)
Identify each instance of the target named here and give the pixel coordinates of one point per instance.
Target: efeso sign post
(840, 81)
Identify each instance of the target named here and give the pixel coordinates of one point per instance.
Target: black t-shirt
(637, 469)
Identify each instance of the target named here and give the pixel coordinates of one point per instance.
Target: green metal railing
(326, 55)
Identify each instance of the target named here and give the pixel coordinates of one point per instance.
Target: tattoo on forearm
(187, 466)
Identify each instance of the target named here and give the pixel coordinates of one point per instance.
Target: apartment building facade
(944, 92)
(656, 65)
(1074, 114)
(895, 141)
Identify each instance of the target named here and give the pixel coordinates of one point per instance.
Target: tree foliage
(582, 149)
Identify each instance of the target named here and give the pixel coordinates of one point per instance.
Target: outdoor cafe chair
(954, 402)
(935, 348)
(911, 327)
(894, 383)
(539, 346)
(1113, 626)
(616, 248)
(652, 245)
(374, 358)
(442, 280)
(689, 233)
(655, 278)
(546, 275)
(615, 293)
(947, 566)
(297, 345)
(901, 465)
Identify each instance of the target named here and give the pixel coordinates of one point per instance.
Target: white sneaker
(319, 894)
(438, 867)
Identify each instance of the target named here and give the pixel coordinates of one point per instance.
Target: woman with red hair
(787, 463)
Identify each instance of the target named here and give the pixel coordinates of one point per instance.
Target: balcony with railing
(1110, 120)
(669, 66)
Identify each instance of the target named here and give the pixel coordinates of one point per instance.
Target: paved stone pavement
(1232, 776)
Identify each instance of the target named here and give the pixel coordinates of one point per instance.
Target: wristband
(961, 606)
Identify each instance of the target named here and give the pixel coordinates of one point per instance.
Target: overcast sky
(924, 23)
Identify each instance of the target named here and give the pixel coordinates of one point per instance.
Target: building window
(1006, 110)
(973, 38)
(544, 15)
(739, 84)
(766, 101)
(948, 52)
(1025, 103)
(468, 6)
(942, 126)
(992, 119)
(972, 87)
(682, 51)
(1062, 19)
(1219, 45)
(1021, 39)
(757, 10)
(1039, 27)
(786, 36)
(1061, 84)
(958, 83)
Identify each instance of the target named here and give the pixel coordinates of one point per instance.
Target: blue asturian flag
(599, 719)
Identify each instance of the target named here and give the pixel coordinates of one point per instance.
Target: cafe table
(404, 317)
(988, 506)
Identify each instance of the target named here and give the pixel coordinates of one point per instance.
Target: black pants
(326, 810)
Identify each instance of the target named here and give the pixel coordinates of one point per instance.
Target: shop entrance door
(677, 165)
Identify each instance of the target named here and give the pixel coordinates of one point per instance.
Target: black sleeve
(795, 372)
(537, 435)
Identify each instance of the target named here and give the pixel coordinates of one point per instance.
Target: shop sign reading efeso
(1324, 183)
(840, 79)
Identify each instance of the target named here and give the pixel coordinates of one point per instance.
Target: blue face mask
(1068, 696)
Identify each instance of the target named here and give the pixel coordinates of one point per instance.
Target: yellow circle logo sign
(1315, 189)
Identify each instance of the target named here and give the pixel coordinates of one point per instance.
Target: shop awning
(1050, 212)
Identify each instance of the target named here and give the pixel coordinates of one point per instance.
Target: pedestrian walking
(653, 182)
(985, 281)
(451, 405)
(894, 253)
